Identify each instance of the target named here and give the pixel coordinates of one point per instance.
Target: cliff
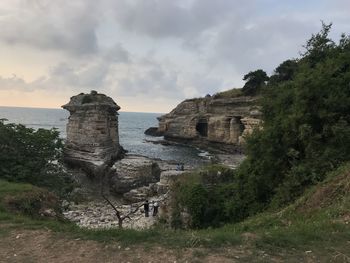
(212, 120)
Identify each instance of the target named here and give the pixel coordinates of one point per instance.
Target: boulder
(141, 194)
(133, 172)
(153, 131)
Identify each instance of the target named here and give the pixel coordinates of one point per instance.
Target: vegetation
(255, 81)
(305, 135)
(306, 127)
(291, 194)
(286, 234)
(232, 93)
(32, 156)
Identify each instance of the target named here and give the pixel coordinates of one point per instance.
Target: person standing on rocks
(146, 208)
(155, 208)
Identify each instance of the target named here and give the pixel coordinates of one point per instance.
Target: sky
(149, 55)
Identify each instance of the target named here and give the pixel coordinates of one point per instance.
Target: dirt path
(46, 246)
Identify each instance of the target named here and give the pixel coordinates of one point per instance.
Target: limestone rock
(153, 131)
(212, 120)
(141, 194)
(167, 177)
(133, 172)
(92, 131)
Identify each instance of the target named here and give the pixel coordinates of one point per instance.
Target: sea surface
(131, 132)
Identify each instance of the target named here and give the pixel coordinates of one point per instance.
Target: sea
(131, 132)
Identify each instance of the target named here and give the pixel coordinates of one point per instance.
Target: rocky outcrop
(92, 131)
(153, 131)
(133, 172)
(211, 120)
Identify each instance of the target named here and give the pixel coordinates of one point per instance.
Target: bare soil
(47, 246)
(44, 245)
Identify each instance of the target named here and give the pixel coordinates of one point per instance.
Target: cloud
(156, 49)
(117, 54)
(53, 25)
(264, 43)
(14, 82)
(167, 18)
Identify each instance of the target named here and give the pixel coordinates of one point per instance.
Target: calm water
(131, 131)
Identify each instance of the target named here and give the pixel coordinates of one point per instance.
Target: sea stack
(92, 131)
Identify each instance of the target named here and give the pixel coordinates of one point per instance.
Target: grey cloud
(146, 77)
(58, 25)
(117, 54)
(86, 76)
(167, 18)
(263, 43)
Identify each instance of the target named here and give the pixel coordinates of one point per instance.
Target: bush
(35, 203)
(201, 194)
(305, 135)
(32, 156)
(306, 130)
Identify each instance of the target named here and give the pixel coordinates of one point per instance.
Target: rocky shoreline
(97, 213)
(111, 185)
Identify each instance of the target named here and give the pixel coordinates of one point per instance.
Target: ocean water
(131, 132)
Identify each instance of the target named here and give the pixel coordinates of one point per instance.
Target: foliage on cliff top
(32, 156)
(306, 134)
(255, 82)
(306, 128)
(232, 93)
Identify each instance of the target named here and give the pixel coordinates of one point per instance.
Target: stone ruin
(92, 131)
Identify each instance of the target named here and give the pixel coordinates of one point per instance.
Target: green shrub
(306, 130)
(32, 156)
(34, 203)
(201, 194)
(305, 135)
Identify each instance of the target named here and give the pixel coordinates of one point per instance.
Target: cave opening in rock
(241, 125)
(202, 127)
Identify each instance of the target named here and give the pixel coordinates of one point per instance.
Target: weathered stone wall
(92, 130)
(224, 120)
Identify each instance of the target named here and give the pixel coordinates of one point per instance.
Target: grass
(232, 93)
(291, 231)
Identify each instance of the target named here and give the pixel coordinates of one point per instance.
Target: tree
(119, 215)
(255, 80)
(306, 127)
(318, 45)
(285, 71)
(32, 156)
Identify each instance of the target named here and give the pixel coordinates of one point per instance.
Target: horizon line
(44, 108)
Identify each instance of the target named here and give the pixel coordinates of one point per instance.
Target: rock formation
(211, 120)
(92, 131)
(132, 172)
